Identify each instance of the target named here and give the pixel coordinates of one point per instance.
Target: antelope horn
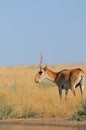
(41, 62)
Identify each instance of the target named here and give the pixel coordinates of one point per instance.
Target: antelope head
(42, 73)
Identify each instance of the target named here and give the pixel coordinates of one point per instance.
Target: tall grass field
(21, 97)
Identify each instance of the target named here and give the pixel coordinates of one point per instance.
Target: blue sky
(55, 28)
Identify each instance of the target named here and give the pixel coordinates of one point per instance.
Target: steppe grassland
(19, 91)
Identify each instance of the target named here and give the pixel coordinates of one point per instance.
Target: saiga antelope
(64, 79)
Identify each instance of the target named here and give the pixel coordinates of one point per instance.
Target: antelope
(65, 79)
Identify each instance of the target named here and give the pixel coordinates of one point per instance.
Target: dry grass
(26, 98)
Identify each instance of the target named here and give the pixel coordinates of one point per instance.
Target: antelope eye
(40, 72)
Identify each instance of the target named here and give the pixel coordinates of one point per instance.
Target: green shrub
(80, 114)
(29, 112)
(5, 111)
(46, 83)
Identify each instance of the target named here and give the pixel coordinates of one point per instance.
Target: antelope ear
(45, 68)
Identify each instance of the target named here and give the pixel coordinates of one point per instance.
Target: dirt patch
(45, 121)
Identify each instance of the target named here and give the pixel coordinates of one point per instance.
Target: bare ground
(45, 121)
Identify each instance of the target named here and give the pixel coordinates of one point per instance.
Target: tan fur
(65, 79)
